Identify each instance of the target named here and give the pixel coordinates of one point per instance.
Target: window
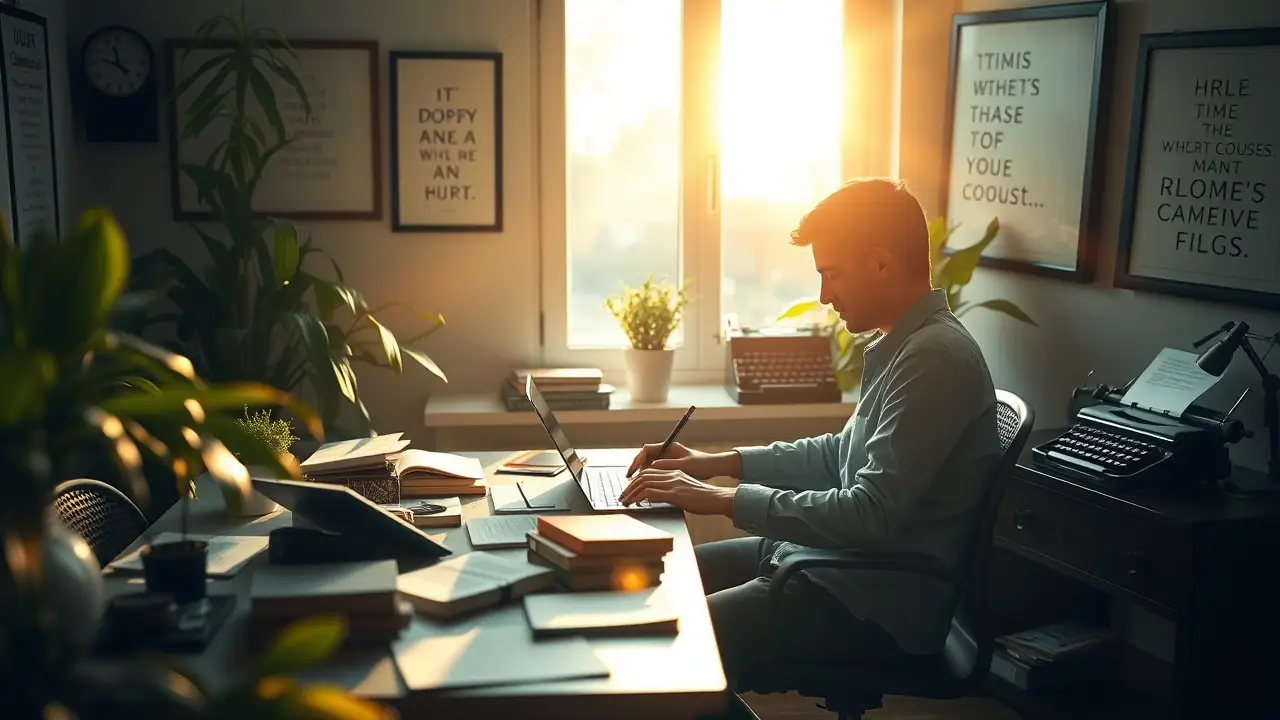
(684, 139)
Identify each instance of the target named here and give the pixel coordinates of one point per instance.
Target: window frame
(701, 355)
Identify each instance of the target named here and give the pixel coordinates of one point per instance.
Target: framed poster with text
(446, 141)
(1201, 215)
(28, 125)
(331, 168)
(1025, 98)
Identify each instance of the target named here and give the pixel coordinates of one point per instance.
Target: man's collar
(911, 319)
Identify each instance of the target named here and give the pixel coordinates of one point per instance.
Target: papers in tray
(227, 553)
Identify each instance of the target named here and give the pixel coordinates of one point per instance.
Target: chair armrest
(886, 560)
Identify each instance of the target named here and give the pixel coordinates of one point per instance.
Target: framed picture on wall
(1026, 95)
(446, 141)
(329, 170)
(27, 86)
(1202, 191)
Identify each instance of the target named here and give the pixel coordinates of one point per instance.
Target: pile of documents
(364, 592)
(426, 474)
(600, 552)
(562, 388)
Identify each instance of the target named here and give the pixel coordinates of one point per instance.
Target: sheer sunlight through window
(622, 93)
(782, 85)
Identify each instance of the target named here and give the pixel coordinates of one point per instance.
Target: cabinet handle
(1135, 561)
(1022, 518)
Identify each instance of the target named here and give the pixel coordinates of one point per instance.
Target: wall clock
(120, 96)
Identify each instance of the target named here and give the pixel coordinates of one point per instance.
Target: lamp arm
(1271, 406)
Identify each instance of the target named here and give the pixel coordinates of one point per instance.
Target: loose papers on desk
(226, 553)
(1169, 384)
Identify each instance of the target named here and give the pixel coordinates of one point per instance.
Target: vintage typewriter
(1119, 447)
(777, 367)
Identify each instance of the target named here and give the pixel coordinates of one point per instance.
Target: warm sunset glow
(781, 98)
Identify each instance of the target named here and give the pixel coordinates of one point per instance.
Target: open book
(357, 453)
(440, 467)
(471, 582)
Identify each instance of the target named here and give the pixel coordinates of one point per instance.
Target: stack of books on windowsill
(600, 552)
(563, 388)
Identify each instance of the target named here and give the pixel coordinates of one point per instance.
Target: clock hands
(116, 60)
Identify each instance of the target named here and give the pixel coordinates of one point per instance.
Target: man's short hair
(876, 211)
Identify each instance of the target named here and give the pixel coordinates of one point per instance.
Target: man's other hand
(695, 463)
(678, 488)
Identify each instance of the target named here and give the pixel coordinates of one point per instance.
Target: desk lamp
(1215, 361)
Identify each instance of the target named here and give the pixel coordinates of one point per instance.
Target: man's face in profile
(851, 281)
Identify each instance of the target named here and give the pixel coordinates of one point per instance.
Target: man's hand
(678, 488)
(694, 463)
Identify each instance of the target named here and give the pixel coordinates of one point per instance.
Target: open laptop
(600, 485)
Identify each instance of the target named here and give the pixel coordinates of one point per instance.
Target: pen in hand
(675, 432)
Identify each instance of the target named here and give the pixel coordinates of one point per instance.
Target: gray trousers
(812, 624)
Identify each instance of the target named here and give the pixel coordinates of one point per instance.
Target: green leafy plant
(267, 690)
(952, 271)
(650, 313)
(257, 310)
(275, 433)
(81, 400)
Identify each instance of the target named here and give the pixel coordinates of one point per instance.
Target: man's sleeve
(811, 463)
(930, 398)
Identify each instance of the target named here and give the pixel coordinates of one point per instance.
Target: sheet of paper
(566, 612)
(227, 553)
(501, 531)
(541, 497)
(484, 655)
(1170, 383)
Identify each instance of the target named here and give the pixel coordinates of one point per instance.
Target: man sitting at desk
(908, 471)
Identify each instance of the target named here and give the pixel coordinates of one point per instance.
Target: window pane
(781, 103)
(623, 79)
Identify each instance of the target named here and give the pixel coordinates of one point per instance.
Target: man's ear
(882, 260)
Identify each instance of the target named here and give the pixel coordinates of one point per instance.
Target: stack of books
(1050, 656)
(366, 465)
(600, 552)
(426, 474)
(563, 388)
(365, 593)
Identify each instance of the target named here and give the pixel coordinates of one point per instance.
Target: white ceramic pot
(648, 373)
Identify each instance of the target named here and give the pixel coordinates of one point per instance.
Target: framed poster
(446, 141)
(331, 170)
(1024, 101)
(28, 125)
(1202, 192)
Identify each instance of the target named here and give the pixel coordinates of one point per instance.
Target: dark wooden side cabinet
(1207, 562)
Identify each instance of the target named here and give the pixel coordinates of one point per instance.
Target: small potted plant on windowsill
(277, 434)
(648, 315)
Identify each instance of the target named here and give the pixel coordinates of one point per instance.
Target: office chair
(106, 518)
(851, 689)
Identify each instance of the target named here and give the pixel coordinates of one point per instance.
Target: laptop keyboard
(607, 484)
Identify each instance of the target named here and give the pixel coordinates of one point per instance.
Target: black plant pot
(177, 569)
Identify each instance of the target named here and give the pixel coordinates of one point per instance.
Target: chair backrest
(105, 517)
(969, 645)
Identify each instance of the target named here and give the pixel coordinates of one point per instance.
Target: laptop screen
(571, 459)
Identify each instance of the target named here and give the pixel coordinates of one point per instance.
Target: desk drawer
(1115, 548)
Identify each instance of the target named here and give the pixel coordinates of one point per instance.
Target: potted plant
(256, 309)
(951, 272)
(277, 434)
(83, 400)
(648, 315)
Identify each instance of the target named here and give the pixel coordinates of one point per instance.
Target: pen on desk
(666, 445)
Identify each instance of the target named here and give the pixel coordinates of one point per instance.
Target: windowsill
(713, 403)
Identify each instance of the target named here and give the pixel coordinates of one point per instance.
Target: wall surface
(1114, 332)
(486, 285)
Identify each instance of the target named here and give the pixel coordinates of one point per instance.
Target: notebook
(359, 452)
(501, 531)
(227, 554)
(645, 612)
(471, 582)
(440, 467)
(486, 655)
(534, 462)
(354, 587)
(605, 534)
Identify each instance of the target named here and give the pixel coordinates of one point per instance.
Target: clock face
(117, 62)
